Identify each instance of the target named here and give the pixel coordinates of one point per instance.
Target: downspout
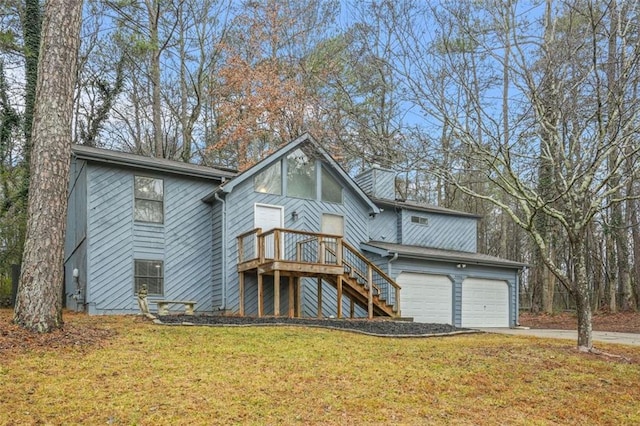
(393, 259)
(223, 246)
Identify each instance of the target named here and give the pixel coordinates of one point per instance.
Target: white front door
(268, 217)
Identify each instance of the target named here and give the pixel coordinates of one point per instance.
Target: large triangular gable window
(331, 189)
(270, 180)
(306, 177)
(301, 175)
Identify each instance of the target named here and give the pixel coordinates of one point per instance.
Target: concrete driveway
(598, 336)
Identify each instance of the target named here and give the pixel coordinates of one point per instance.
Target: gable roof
(264, 164)
(427, 208)
(428, 253)
(150, 163)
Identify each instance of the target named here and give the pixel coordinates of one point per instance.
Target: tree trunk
(153, 7)
(39, 301)
(582, 294)
(31, 27)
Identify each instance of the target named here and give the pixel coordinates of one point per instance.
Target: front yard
(123, 370)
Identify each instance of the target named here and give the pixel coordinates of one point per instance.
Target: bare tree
(573, 127)
(39, 301)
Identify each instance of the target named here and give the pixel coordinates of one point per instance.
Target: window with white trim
(151, 274)
(149, 199)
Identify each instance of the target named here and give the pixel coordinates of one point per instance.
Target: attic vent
(419, 220)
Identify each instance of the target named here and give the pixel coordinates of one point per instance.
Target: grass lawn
(147, 374)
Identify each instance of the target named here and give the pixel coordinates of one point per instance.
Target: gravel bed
(374, 327)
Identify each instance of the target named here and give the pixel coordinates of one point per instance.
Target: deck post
(370, 296)
(276, 293)
(319, 297)
(298, 297)
(321, 250)
(339, 252)
(260, 296)
(398, 302)
(241, 295)
(352, 308)
(276, 242)
(240, 250)
(339, 309)
(261, 254)
(292, 311)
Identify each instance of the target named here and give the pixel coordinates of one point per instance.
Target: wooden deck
(328, 258)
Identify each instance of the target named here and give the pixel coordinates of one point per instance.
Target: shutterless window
(419, 220)
(149, 199)
(270, 180)
(151, 274)
(301, 175)
(331, 189)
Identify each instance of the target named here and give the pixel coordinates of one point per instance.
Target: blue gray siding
(384, 227)
(378, 183)
(217, 255)
(75, 248)
(183, 242)
(442, 231)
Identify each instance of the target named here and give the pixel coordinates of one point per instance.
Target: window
(419, 220)
(151, 274)
(269, 181)
(331, 189)
(301, 175)
(149, 199)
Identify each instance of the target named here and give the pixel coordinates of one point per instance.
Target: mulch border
(326, 327)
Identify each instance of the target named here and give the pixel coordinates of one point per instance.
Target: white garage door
(485, 303)
(426, 298)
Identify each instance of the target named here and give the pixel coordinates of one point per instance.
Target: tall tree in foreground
(39, 301)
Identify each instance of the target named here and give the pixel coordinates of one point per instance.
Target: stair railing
(376, 279)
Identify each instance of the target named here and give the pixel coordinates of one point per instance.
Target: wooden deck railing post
(339, 251)
(398, 302)
(370, 296)
(276, 243)
(260, 243)
(321, 250)
(240, 249)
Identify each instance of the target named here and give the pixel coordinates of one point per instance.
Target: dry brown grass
(139, 373)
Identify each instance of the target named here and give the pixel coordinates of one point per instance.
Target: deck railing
(291, 245)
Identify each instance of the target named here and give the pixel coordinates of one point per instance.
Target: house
(293, 235)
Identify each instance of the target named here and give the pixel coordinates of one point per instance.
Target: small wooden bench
(163, 306)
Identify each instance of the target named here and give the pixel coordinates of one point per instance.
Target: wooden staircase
(328, 258)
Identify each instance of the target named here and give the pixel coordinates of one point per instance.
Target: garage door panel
(485, 303)
(426, 297)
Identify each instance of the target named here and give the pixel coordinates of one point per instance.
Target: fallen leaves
(124, 370)
(622, 322)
